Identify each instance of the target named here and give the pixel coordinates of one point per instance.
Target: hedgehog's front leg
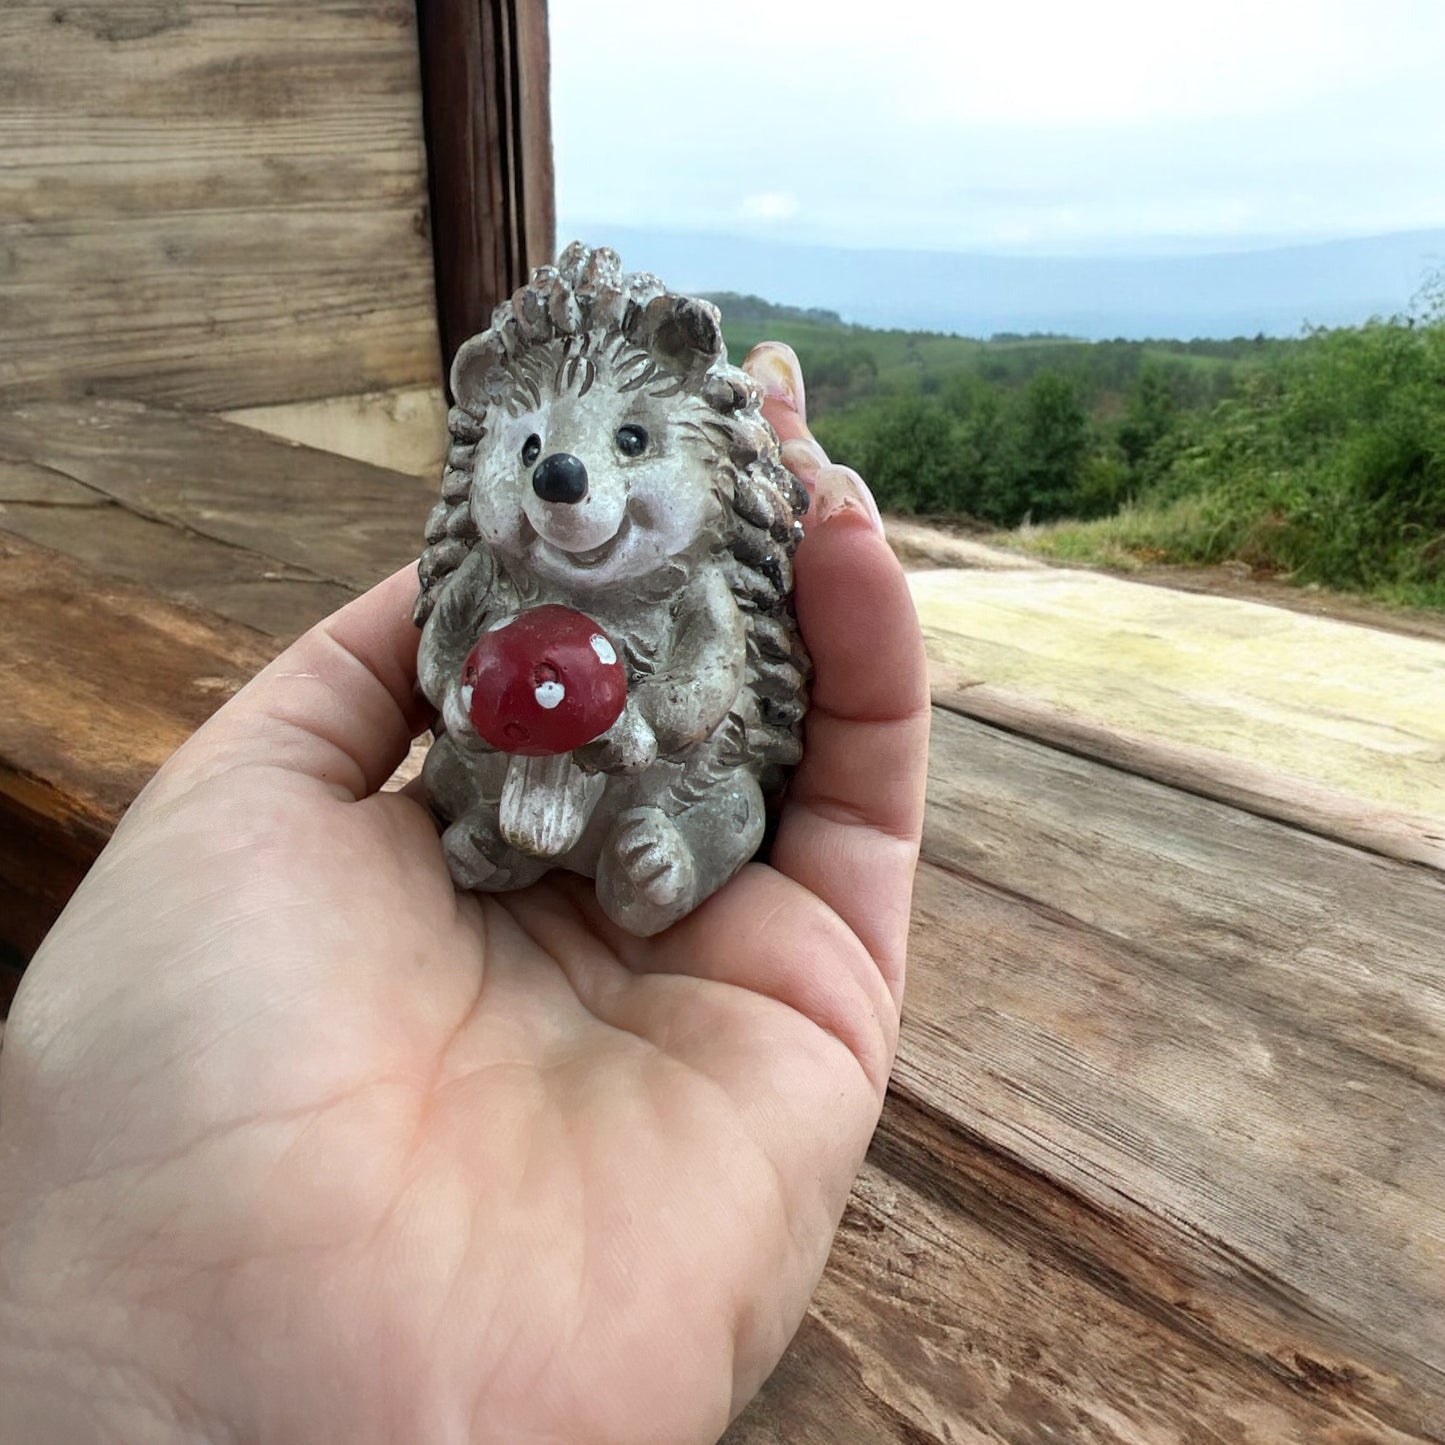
(662, 859)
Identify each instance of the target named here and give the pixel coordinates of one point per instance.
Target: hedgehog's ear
(683, 335)
(478, 373)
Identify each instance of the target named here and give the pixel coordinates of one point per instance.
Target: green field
(1319, 459)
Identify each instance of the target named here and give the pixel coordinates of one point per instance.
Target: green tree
(1147, 433)
(989, 457)
(915, 454)
(1052, 442)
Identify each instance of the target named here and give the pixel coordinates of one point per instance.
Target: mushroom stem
(547, 803)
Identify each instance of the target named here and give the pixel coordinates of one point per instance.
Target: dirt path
(919, 546)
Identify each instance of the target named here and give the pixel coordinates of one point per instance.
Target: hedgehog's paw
(646, 877)
(480, 860)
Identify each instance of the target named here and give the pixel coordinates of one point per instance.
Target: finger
(339, 705)
(775, 368)
(853, 814)
(851, 824)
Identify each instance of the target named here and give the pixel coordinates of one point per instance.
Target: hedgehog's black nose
(560, 478)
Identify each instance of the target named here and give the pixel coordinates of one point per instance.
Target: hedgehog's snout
(560, 477)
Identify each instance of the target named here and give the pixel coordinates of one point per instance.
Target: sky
(1013, 127)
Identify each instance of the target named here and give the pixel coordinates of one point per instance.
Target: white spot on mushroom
(467, 692)
(549, 694)
(606, 653)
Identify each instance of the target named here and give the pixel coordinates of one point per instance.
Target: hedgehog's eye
(531, 449)
(631, 440)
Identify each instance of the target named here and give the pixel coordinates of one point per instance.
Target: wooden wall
(213, 205)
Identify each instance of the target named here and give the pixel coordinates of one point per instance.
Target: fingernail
(775, 367)
(840, 491)
(804, 458)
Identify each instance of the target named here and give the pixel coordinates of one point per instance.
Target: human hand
(299, 1146)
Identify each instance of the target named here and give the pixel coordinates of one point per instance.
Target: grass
(1134, 537)
(1188, 533)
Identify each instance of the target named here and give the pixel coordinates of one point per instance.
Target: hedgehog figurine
(605, 599)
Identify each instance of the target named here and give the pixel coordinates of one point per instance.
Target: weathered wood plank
(1253, 787)
(47, 842)
(235, 582)
(1293, 1190)
(1343, 725)
(1222, 1033)
(100, 683)
(1279, 922)
(214, 204)
(75, 722)
(334, 520)
(194, 512)
(1161, 1161)
(965, 1300)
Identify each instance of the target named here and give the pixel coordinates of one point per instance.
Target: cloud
(769, 206)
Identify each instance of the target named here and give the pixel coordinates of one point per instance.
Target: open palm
(298, 1145)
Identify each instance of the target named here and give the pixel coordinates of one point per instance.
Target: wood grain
(965, 1301)
(301, 517)
(1333, 726)
(212, 204)
(1296, 1191)
(100, 683)
(1232, 901)
(179, 564)
(485, 79)
(1160, 1162)
(118, 521)
(1212, 773)
(1220, 1033)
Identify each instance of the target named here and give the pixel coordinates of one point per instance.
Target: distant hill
(754, 308)
(1274, 291)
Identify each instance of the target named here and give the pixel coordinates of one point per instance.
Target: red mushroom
(544, 682)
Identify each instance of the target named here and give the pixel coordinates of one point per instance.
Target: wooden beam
(489, 153)
(1158, 1160)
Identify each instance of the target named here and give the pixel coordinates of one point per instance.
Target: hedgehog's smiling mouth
(592, 556)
